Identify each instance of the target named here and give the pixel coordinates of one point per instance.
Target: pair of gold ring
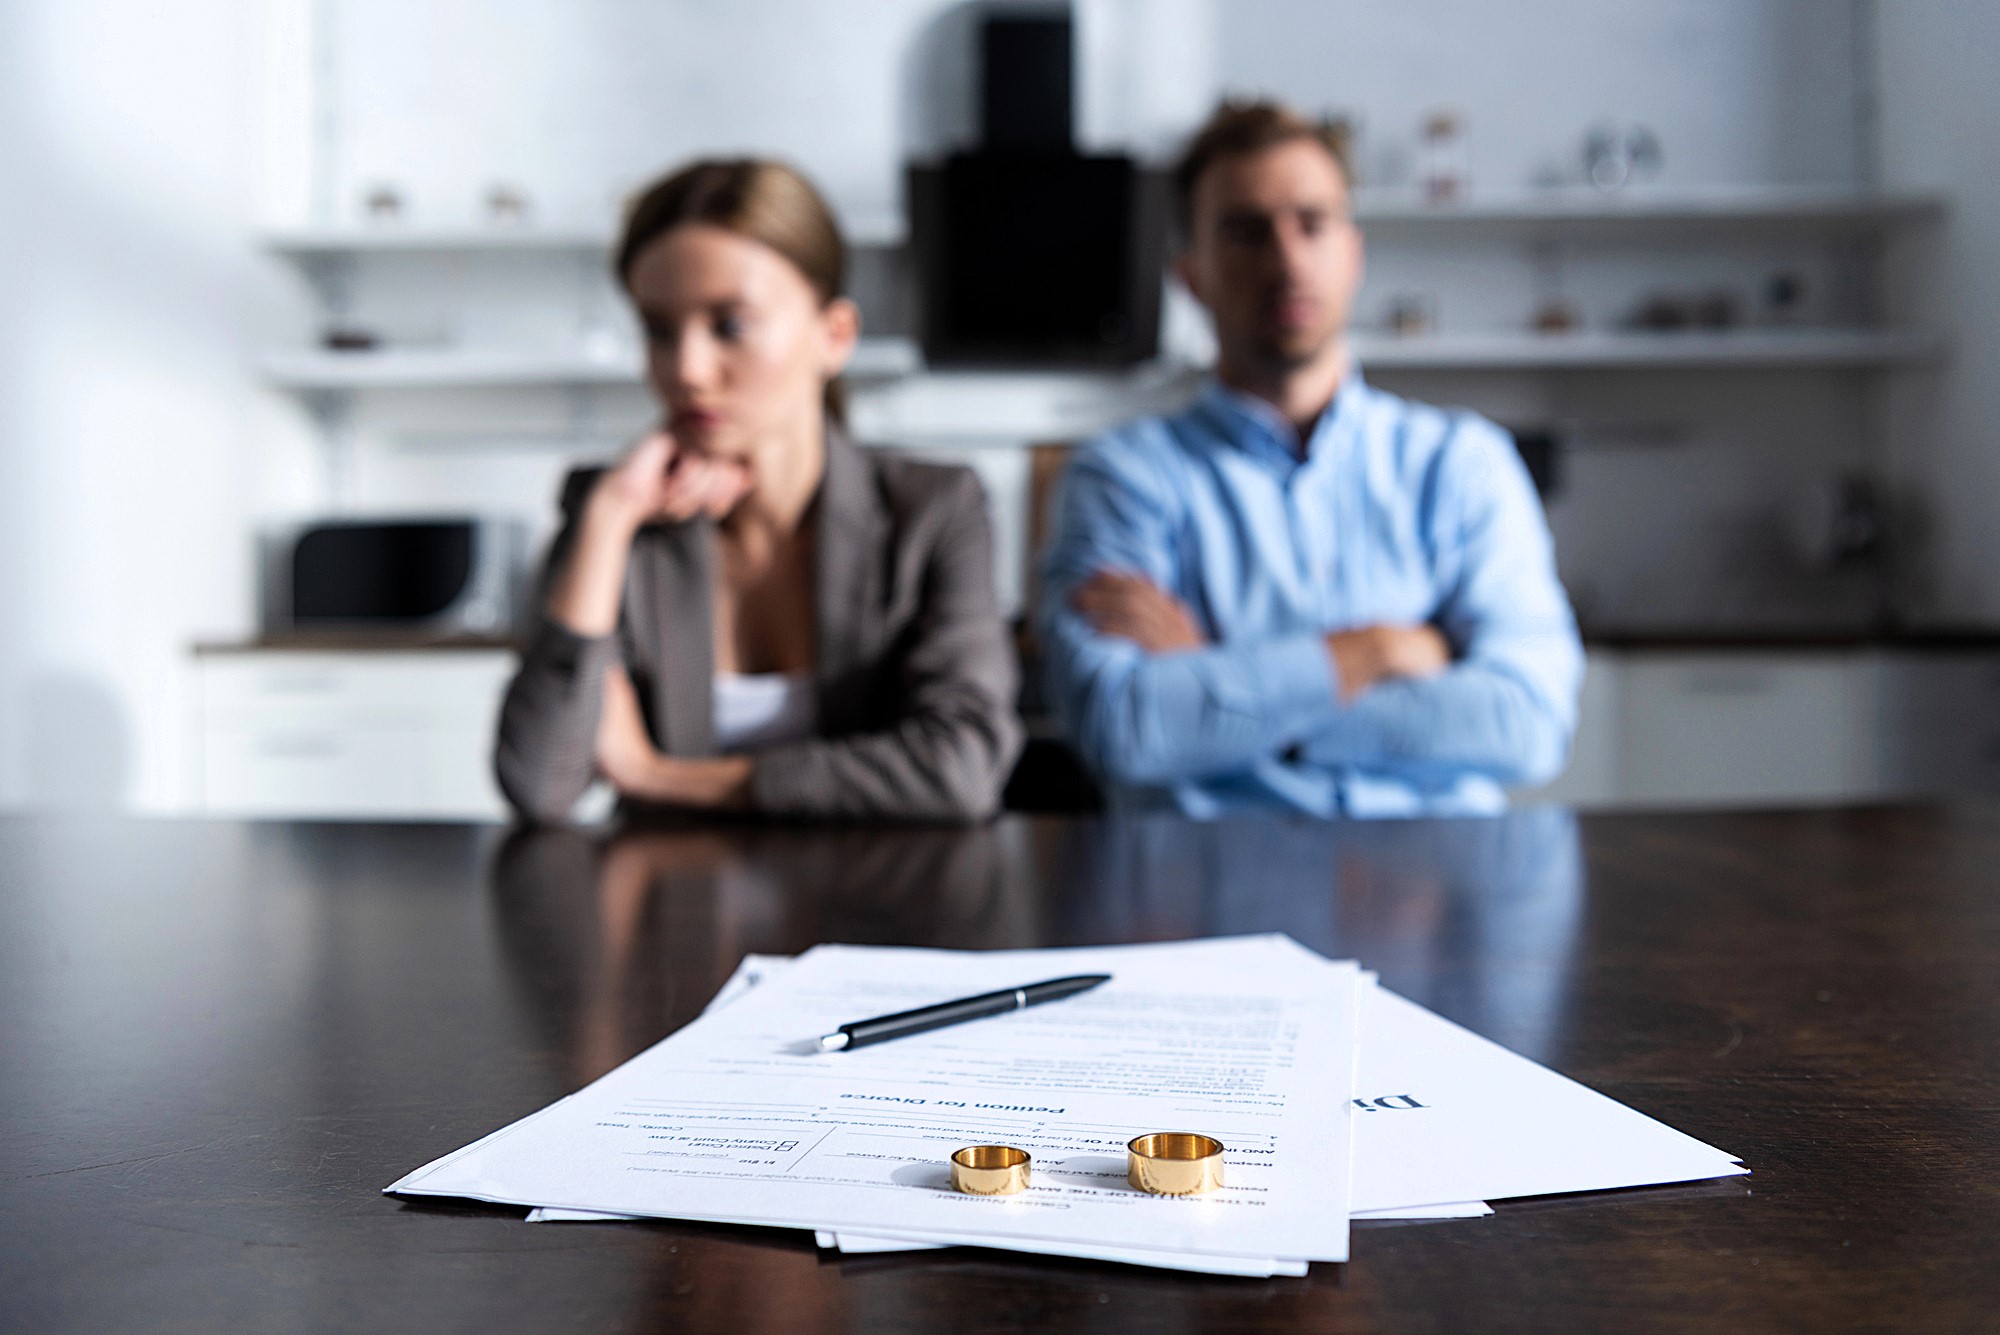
(1165, 1163)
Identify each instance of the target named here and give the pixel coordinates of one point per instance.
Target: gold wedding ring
(990, 1170)
(1174, 1163)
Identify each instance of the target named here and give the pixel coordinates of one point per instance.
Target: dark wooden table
(219, 1041)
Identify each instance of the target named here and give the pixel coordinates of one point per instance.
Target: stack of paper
(1335, 1098)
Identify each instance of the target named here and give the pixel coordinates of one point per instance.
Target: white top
(756, 709)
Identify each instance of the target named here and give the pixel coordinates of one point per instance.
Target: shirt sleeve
(1154, 719)
(1506, 708)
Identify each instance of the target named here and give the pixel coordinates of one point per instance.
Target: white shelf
(1719, 207)
(442, 369)
(392, 238)
(1378, 207)
(308, 243)
(896, 359)
(958, 408)
(460, 368)
(1717, 349)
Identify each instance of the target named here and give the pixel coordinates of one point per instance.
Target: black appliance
(446, 576)
(1029, 253)
(1027, 66)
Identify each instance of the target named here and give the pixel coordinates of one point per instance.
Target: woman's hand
(625, 753)
(627, 757)
(657, 480)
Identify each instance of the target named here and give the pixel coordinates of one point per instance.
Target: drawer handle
(1728, 683)
(299, 747)
(300, 684)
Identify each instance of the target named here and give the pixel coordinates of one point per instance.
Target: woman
(748, 612)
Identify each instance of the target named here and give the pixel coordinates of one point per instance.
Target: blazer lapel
(852, 530)
(677, 588)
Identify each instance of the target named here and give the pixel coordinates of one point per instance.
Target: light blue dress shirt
(1394, 512)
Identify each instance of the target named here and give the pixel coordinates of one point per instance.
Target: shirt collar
(1254, 425)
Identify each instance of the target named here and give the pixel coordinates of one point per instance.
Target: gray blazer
(915, 672)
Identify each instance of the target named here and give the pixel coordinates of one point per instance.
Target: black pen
(885, 1027)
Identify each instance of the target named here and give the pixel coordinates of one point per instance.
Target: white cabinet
(1758, 727)
(1591, 778)
(351, 734)
(408, 735)
(1733, 728)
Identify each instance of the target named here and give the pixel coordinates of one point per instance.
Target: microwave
(448, 576)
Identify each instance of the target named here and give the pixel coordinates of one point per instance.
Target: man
(1302, 593)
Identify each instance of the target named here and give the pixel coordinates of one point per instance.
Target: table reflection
(1474, 918)
(615, 939)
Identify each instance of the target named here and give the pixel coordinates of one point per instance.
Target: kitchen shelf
(317, 242)
(891, 359)
(459, 368)
(1385, 209)
(447, 369)
(896, 359)
(333, 242)
(1694, 349)
(1720, 208)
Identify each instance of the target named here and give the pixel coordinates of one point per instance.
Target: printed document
(1448, 1119)
(732, 1119)
(1443, 1114)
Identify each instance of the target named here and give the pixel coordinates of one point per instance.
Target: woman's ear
(840, 326)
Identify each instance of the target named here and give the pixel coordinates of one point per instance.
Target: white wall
(131, 441)
(580, 102)
(1939, 104)
(1739, 91)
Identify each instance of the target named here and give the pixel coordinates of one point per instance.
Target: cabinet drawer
(1740, 728)
(390, 690)
(352, 735)
(310, 772)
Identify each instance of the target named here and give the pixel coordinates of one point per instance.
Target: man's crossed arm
(1132, 607)
(1392, 696)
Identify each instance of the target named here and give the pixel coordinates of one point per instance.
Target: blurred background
(304, 312)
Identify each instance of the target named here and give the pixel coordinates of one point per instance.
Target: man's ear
(1184, 269)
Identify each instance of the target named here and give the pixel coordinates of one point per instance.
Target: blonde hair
(765, 201)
